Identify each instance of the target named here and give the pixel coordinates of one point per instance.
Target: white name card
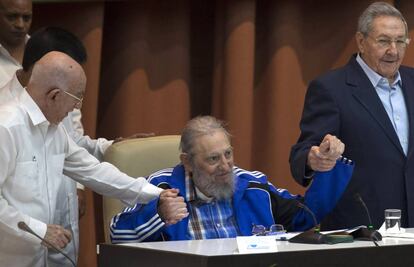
(256, 244)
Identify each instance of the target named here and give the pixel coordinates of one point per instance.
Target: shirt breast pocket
(24, 184)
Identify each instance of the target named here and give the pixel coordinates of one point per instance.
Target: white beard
(207, 184)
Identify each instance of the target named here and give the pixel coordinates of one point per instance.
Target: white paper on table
(401, 234)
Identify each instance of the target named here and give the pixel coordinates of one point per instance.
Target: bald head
(57, 70)
(57, 84)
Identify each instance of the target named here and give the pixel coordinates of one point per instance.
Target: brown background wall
(155, 64)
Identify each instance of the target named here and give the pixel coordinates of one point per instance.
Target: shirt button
(218, 225)
(397, 118)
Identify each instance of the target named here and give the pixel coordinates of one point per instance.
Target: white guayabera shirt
(33, 156)
(66, 209)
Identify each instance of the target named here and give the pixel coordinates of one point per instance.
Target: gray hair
(199, 126)
(375, 10)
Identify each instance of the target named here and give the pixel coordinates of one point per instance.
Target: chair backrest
(138, 157)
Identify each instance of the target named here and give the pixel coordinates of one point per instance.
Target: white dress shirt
(33, 157)
(67, 208)
(73, 125)
(8, 66)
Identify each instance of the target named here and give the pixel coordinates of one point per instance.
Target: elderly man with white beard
(223, 200)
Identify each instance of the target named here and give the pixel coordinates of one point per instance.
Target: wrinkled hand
(81, 202)
(137, 135)
(171, 207)
(57, 236)
(324, 156)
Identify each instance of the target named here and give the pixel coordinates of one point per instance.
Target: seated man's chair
(138, 157)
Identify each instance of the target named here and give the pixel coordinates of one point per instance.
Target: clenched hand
(324, 156)
(171, 207)
(57, 236)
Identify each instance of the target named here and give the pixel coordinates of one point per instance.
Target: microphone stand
(311, 236)
(369, 234)
(23, 226)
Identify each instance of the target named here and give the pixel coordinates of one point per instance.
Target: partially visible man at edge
(369, 105)
(15, 22)
(223, 200)
(36, 150)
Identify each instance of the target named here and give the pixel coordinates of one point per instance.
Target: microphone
(369, 233)
(315, 222)
(23, 226)
(359, 199)
(311, 236)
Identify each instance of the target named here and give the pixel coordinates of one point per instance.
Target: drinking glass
(392, 220)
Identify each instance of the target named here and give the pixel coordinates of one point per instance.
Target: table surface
(224, 253)
(228, 246)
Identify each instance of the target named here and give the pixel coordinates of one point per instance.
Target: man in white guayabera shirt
(36, 149)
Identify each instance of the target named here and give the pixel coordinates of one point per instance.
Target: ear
(185, 160)
(360, 39)
(52, 94)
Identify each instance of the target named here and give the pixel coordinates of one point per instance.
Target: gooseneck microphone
(370, 233)
(308, 210)
(311, 236)
(359, 199)
(23, 226)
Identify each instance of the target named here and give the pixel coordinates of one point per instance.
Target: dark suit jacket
(344, 103)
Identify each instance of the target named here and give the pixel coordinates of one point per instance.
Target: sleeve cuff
(153, 190)
(148, 192)
(39, 228)
(161, 219)
(106, 144)
(80, 186)
(309, 173)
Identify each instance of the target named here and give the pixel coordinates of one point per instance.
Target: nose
(225, 164)
(392, 49)
(19, 22)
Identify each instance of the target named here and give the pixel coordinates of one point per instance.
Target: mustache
(220, 173)
(390, 58)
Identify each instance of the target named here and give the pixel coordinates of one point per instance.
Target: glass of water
(392, 220)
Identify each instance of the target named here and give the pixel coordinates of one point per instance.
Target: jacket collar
(365, 94)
